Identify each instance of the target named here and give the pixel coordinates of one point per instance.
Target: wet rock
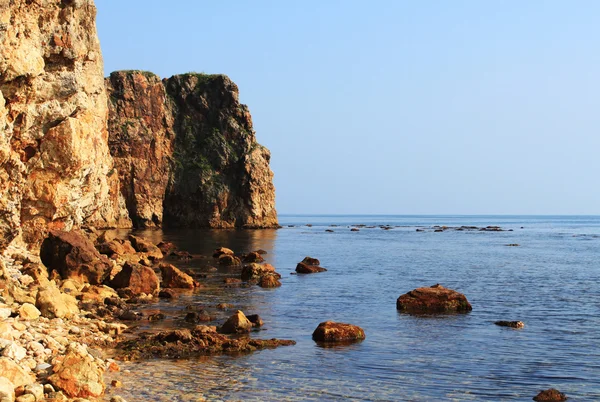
(156, 317)
(303, 268)
(355, 230)
(200, 316)
(329, 230)
(256, 271)
(311, 261)
(73, 255)
(224, 306)
(236, 324)
(510, 324)
(167, 294)
(232, 281)
(14, 372)
(550, 395)
(182, 255)
(137, 279)
(269, 281)
(222, 250)
(260, 251)
(434, 299)
(228, 260)
(144, 246)
(77, 374)
(255, 320)
(330, 331)
(253, 257)
(173, 277)
(54, 304)
(202, 340)
(131, 316)
(166, 247)
(7, 390)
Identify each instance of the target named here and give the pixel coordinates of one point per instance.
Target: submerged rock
(434, 299)
(511, 324)
(183, 343)
(269, 281)
(550, 395)
(303, 268)
(330, 331)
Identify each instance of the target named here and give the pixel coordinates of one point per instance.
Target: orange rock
(434, 299)
(330, 331)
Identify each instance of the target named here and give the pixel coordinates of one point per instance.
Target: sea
(549, 278)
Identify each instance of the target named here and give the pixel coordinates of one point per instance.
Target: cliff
(186, 152)
(56, 171)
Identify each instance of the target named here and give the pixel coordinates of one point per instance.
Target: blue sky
(395, 107)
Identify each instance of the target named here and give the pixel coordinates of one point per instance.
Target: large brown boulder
(137, 278)
(269, 281)
(236, 324)
(77, 374)
(173, 277)
(330, 331)
(434, 299)
(73, 255)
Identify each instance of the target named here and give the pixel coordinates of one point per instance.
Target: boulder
(256, 271)
(73, 255)
(228, 260)
(511, 324)
(255, 320)
(7, 390)
(137, 279)
(113, 248)
(303, 268)
(14, 372)
(434, 299)
(144, 246)
(222, 250)
(28, 311)
(550, 395)
(167, 294)
(311, 261)
(77, 374)
(173, 277)
(236, 324)
(54, 304)
(253, 257)
(97, 294)
(330, 331)
(269, 281)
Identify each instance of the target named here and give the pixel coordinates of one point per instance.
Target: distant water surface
(550, 281)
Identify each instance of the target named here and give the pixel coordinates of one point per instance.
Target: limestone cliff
(186, 152)
(55, 167)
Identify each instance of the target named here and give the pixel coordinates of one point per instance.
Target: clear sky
(395, 107)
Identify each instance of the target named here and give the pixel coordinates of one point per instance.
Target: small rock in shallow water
(330, 331)
(236, 324)
(434, 299)
(511, 324)
(550, 395)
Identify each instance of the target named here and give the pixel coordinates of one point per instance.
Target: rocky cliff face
(187, 153)
(55, 167)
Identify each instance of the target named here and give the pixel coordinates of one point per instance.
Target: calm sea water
(551, 282)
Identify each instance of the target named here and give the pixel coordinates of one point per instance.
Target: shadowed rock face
(187, 153)
(55, 168)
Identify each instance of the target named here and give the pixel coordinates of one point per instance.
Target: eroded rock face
(56, 171)
(434, 299)
(187, 153)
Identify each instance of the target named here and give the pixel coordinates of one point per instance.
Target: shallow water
(551, 282)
